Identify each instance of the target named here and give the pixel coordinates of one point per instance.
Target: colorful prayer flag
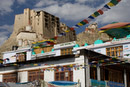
(75, 27)
(96, 14)
(106, 6)
(100, 11)
(118, 1)
(110, 4)
(115, 2)
(72, 28)
(104, 9)
(55, 37)
(79, 24)
(91, 17)
(85, 21)
(66, 31)
(82, 22)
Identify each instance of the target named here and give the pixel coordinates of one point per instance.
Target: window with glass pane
(11, 77)
(64, 76)
(21, 57)
(114, 51)
(66, 51)
(35, 75)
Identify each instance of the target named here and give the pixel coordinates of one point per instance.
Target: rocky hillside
(7, 45)
(88, 36)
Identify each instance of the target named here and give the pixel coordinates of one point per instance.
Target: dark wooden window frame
(66, 51)
(65, 75)
(35, 75)
(114, 51)
(10, 77)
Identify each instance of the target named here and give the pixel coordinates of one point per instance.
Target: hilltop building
(32, 26)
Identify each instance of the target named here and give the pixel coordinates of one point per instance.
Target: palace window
(66, 51)
(114, 51)
(21, 57)
(66, 75)
(45, 49)
(10, 77)
(35, 75)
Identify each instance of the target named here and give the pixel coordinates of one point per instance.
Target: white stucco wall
(126, 51)
(23, 76)
(58, 52)
(79, 75)
(10, 56)
(49, 76)
(101, 50)
(29, 53)
(1, 78)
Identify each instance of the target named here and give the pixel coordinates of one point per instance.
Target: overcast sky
(69, 11)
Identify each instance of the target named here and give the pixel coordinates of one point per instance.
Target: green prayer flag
(32, 64)
(96, 14)
(82, 22)
(99, 62)
(52, 39)
(115, 2)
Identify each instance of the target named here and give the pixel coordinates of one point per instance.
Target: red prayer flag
(72, 28)
(55, 37)
(85, 21)
(118, 0)
(100, 11)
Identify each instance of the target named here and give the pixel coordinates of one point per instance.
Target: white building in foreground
(88, 64)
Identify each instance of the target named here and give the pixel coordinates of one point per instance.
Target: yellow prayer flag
(111, 62)
(35, 64)
(80, 24)
(127, 26)
(110, 4)
(80, 67)
(102, 60)
(71, 65)
(52, 65)
(15, 64)
(94, 65)
(93, 15)
(67, 30)
(102, 31)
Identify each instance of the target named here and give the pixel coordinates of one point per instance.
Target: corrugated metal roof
(115, 25)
